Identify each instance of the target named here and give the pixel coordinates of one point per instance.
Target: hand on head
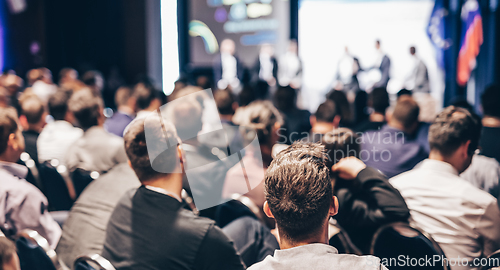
(348, 168)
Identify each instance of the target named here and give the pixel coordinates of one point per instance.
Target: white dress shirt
(463, 219)
(55, 140)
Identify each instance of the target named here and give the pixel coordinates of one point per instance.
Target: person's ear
(24, 122)
(312, 119)
(465, 150)
(336, 121)
(334, 206)
(12, 142)
(267, 210)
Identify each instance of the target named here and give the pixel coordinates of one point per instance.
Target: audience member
(299, 196)
(8, 255)
(261, 121)
(378, 101)
(43, 86)
(68, 79)
(462, 219)
(393, 149)
(32, 119)
(57, 136)
(324, 120)
(97, 150)
(146, 98)
(490, 101)
(149, 228)
(366, 200)
(484, 173)
(297, 121)
(95, 81)
(342, 106)
(23, 205)
(85, 229)
(124, 114)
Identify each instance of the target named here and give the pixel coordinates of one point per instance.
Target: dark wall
(84, 34)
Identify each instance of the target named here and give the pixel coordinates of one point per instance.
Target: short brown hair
(86, 108)
(298, 190)
(453, 127)
(7, 250)
(259, 116)
(8, 125)
(147, 138)
(123, 94)
(32, 107)
(406, 111)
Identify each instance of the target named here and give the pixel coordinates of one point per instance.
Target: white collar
(165, 192)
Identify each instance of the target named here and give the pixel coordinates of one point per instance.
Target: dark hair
(8, 125)
(285, 99)
(342, 105)
(144, 95)
(7, 250)
(379, 100)
(490, 100)
(224, 100)
(406, 112)
(413, 50)
(298, 190)
(86, 108)
(58, 104)
(340, 143)
(326, 112)
(246, 95)
(453, 127)
(32, 107)
(404, 92)
(147, 138)
(259, 116)
(90, 77)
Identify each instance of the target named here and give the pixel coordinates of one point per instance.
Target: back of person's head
(462, 103)
(144, 95)
(122, 96)
(8, 125)
(86, 108)
(8, 255)
(58, 104)
(342, 105)
(246, 95)
(187, 117)
(340, 143)
(404, 92)
(490, 101)
(261, 116)
(406, 113)
(34, 75)
(92, 78)
(379, 100)
(225, 101)
(285, 98)
(68, 74)
(32, 108)
(326, 112)
(453, 127)
(299, 191)
(413, 50)
(151, 138)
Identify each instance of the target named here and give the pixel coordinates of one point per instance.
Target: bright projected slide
(327, 27)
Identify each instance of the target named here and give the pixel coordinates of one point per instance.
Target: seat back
(55, 187)
(339, 239)
(392, 240)
(35, 253)
(491, 262)
(81, 179)
(93, 262)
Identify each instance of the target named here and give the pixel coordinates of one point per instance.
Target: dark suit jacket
(85, 228)
(256, 69)
(217, 67)
(384, 68)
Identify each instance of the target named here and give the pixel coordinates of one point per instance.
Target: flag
(472, 38)
(435, 31)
